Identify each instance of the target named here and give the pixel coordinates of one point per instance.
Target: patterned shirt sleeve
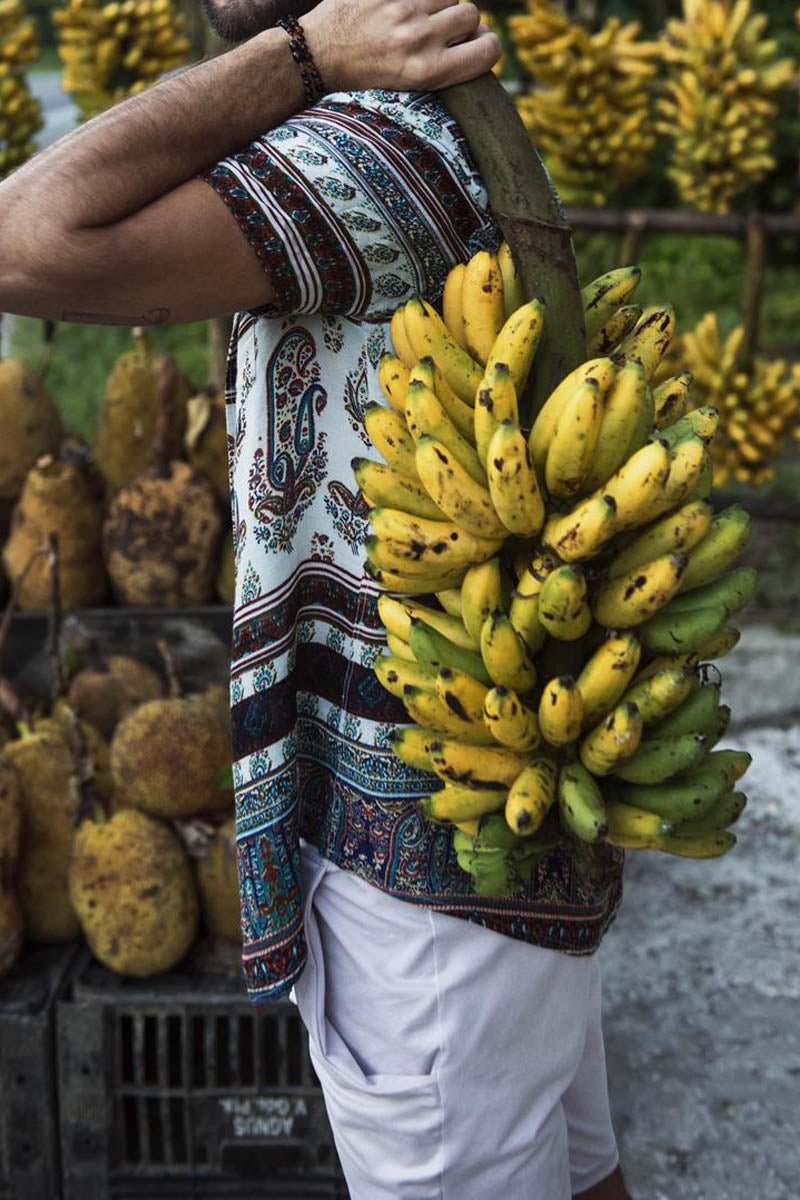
(358, 204)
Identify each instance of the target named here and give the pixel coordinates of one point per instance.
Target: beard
(237, 20)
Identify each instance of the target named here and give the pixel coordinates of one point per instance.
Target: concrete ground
(702, 974)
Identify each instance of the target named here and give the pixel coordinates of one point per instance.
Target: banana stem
(533, 222)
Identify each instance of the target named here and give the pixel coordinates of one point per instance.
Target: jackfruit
(102, 696)
(167, 757)
(57, 497)
(11, 924)
(30, 423)
(218, 884)
(96, 748)
(206, 441)
(126, 431)
(226, 574)
(161, 539)
(131, 884)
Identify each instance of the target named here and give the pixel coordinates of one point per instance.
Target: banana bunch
(553, 597)
(758, 403)
(719, 109)
(20, 113)
(589, 111)
(115, 50)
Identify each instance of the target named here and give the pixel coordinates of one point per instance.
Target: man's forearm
(148, 145)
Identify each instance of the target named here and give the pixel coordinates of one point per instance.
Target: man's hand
(402, 45)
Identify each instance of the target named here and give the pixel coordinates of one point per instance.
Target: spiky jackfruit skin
(11, 925)
(207, 442)
(131, 885)
(30, 423)
(103, 697)
(218, 884)
(96, 748)
(124, 445)
(161, 539)
(57, 497)
(49, 793)
(167, 757)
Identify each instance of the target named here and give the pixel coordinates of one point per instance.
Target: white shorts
(454, 1061)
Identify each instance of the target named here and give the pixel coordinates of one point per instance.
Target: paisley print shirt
(352, 206)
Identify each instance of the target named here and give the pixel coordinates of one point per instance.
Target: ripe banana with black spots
(721, 546)
(435, 650)
(412, 585)
(510, 721)
(681, 530)
(462, 693)
(659, 693)
(390, 488)
(517, 342)
(637, 596)
(672, 399)
(512, 285)
(482, 593)
(395, 673)
(513, 487)
(426, 372)
(495, 402)
(604, 295)
(605, 677)
(638, 485)
(531, 796)
(411, 744)
(429, 336)
(393, 379)
(615, 330)
(560, 711)
(523, 613)
(452, 304)
(427, 710)
(649, 341)
(400, 340)
(456, 803)
(623, 409)
(454, 492)
(505, 655)
(700, 422)
(563, 603)
(583, 532)
(581, 803)
(569, 455)
(488, 768)
(616, 738)
(627, 821)
(426, 416)
(602, 371)
(436, 545)
(390, 436)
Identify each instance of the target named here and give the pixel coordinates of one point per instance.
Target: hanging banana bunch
(20, 113)
(589, 111)
(115, 50)
(550, 595)
(719, 109)
(758, 403)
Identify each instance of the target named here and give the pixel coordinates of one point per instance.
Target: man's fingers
(469, 59)
(454, 23)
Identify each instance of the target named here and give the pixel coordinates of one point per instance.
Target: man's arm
(110, 225)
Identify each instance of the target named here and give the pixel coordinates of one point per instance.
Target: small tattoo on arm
(154, 316)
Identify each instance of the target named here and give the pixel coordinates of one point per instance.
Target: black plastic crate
(29, 1141)
(175, 1086)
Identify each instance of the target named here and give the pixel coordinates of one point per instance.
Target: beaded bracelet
(313, 86)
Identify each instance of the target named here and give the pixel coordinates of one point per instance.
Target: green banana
(698, 845)
(679, 799)
(659, 759)
(726, 538)
(732, 763)
(434, 650)
(581, 803)
(680, 632)
(732, 591)
(681, 530)
(563, 603)
(724, 812)
(697, 714)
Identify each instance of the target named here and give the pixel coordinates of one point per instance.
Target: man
(457, 1039)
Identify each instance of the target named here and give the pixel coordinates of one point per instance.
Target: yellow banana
(637, 595)
(426, 416)
(450, 600)
(428, 336)
(425, 372)
(455, 492)
(510, 721)
(639, 484)
(400, 341)
(672, 399)
(386, 486)
(393, 379)
(563, 604)
(604, 295)
(616, 328)
(482, 767)
(523, 614)
(605, 677)
(622, 412)
(458, 804)
(602, 370)
(649, 341)
(513, 486)
(512, 285)
(410, 743)
(496, 402)
(411, 585)
(394, 673)
(517, 342)
(399, 648)
(397, 616)
(689, 462)
(481, 594)
(560, 711)
(389, 434)
(482, 304)
(569, 455)
(505, 655)
(681, 530)
(452, 306)
(531, 796)
(613, 740)
(626, 820)
(583, 532)
(461, 693)
(416, 540)
(428, 710)
(659, 693)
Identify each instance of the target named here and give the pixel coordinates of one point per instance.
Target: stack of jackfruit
(20, 113)
(90, 829)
